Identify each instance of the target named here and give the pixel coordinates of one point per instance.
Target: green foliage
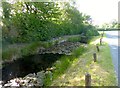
(16, 52)
(6, 9)
(30, 49)
(9, 54)
(33, 48)
(77, 52)
(74, 39)
(102, 71)
(41, 21)
(61, 66)
(90, 31)
(26, 22)
(63, 63)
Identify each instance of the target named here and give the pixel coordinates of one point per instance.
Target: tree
(114, 24)
(41, 21)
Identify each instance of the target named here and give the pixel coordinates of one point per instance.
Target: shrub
(74, 39)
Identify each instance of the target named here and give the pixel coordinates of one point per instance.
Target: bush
(74, 39)
(31, 25)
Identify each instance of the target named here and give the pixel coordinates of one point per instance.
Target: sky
(101, 11)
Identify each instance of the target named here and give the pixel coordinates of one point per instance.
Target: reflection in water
(26, 65)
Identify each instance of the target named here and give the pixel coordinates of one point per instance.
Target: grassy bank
(70, 71)
(17, 51)
(14, 51)
(63, 63)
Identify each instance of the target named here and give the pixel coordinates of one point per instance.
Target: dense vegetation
(35, 23)
(40, 21)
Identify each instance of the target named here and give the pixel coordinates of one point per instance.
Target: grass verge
(72, 73)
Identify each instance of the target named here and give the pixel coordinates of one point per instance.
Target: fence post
(102, 33)
(100, 41)
(94, 57)
(87, 80)
(97, 48)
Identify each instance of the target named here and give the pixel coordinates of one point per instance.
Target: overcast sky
(101, 11)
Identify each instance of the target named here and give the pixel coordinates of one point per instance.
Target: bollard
(95, 57)
(87, 80)
(97, 48)
(102, 34)
(100, 41)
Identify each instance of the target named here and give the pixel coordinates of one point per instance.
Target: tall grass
(9, 54)
(74, 39)
(77, 52)
(18, 52)
(64, 63)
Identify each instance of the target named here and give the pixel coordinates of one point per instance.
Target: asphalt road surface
(112, 39)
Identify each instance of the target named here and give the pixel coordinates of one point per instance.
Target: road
(112, 39)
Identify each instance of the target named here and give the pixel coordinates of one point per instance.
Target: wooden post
(87, 80)
(94, 57)
(100, 41)
(97, 48)
(102, 34)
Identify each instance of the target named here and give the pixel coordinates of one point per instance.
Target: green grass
(73, 74)
(16, 51)
(82, 39)
(63, 63)
(74, 39)
(79, 51)
(102, 71)
(9, 54)
(106, 64)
